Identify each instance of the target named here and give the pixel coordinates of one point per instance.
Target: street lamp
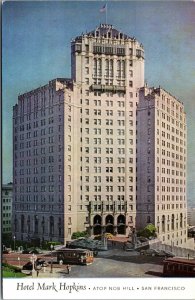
(105, 245)
(51, 247)
(14, 243)
(33, 258)
(19, 261)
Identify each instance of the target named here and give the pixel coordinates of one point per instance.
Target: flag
(103, 9)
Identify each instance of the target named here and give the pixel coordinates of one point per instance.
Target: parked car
(161, 253)
(129, 246)
(169, 253)
(41, 262)
(150, 252)
(7, 250)
(142, 239)
(27, 266)
(38, 264)
(31, 251)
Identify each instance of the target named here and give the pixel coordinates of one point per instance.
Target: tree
(148, 231)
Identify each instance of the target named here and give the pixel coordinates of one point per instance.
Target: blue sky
(36, 48)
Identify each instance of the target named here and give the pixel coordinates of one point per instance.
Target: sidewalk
(56, 272)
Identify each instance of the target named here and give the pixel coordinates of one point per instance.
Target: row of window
(108, 141)
(168, 127)
(170, 146)
(6, 222)
(107, 122)
(170, 180)
(98, 112)
(110, 150)
(109, 169)
(5, 200)
(7, 207)
(108, 188)
(38, 198)
(6, 215)
(37, 170)
(172, 197)
(107, 160)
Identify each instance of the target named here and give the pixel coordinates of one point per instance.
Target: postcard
(98, 150)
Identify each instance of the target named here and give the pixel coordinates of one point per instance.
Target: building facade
(109, 67)
(7, 198)
(75, 143)
(81, 148)
(161, 165)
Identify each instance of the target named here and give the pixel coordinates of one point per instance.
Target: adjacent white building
(191, 216)
(7, 198)
(161, 165)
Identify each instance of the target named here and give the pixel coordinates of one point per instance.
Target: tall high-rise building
(99, 152)
(75, 143)
(161, 165)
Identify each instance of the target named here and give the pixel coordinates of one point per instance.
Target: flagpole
(106, 12)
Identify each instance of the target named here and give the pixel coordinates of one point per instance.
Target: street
(111, 263)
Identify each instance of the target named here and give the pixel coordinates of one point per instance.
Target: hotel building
(99, 152)
(75, 143)
(161, 165)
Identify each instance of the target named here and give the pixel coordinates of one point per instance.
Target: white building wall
(191, 216)
(168, 129)
(38, 164)
(108, 127)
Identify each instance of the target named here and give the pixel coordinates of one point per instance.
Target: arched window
(109, 219)
(97, 220)
(121, 220)
(121, 227)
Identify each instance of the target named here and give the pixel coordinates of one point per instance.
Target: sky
(36, 38)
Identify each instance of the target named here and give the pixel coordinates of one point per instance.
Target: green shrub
(10, 268)
(148, 231)
(47, 245)
(10, 274)
(79, 234)
(10, 271)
